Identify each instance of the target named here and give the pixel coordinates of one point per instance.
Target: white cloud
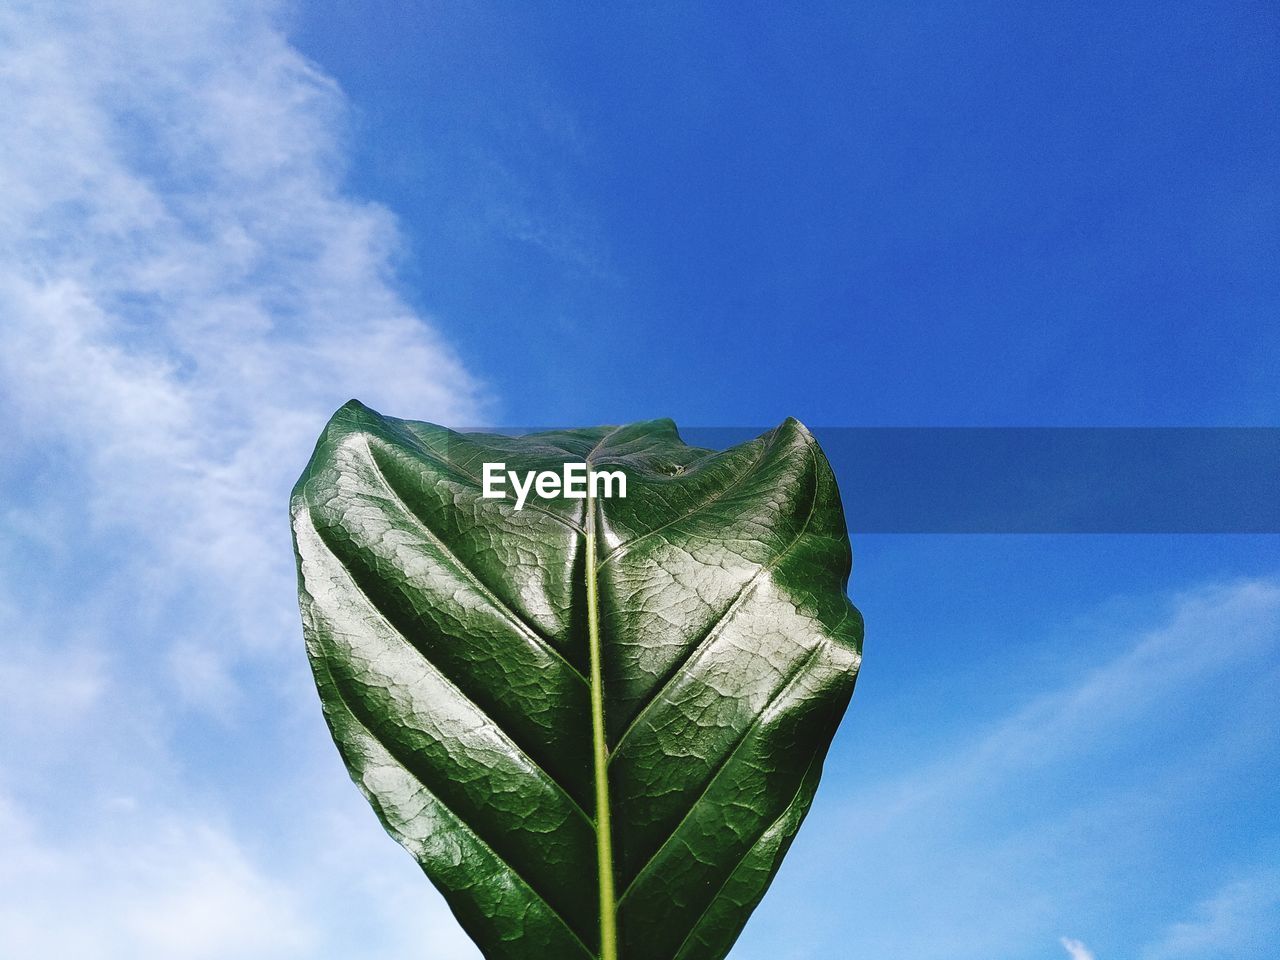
(1210, 630)
(1076, 950)
(187, 291)
(182, 891)
(1242, 919)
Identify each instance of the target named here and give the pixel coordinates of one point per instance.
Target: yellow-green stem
(604, 836)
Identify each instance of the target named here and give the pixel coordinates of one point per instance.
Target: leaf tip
(791, 427)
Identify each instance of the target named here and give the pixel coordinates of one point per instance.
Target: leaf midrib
(600, 748)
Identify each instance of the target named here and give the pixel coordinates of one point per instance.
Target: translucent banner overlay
(1050, 480)
(1045, 479)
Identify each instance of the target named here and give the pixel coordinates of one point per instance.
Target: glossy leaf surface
(597, 724)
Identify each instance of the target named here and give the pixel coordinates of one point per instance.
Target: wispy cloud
(1242, 919)
(187, 290)
(1209, 630)
(1029, 821)
(154, 883)
(1076, 950)
(174, 889)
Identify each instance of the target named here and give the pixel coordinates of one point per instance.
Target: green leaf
(597, 724)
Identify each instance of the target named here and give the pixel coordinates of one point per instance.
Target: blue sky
(221, 222)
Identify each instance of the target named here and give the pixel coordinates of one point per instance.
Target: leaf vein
(717, 627)
(468, 574)
(382, 615)
(700, 508)
(351, 711)
(693, 929)
(422, 444)
(792, 678)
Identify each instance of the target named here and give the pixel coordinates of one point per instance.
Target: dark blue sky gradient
(950, 213)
